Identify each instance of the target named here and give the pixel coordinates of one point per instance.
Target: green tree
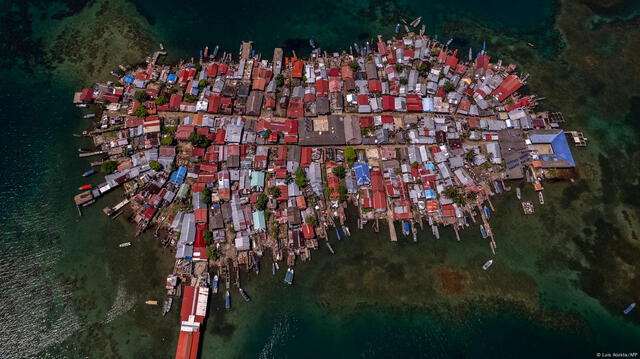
(311, 220)
(398, 67)
(202, 83)
(472, 196)
(141, 96)
(199, 140)
(455, 195)
(350, 155)
(354, 65)
(167, 141)
(208, 237)
(279, 80)
(155, 165)
(172, 90)
(274, 191)
(470, 155)
(198, 67)
(261, 202)
(212, 252)
(448, 86)
(141, 111)
(415, 164)
(190, 98)
(342, 190)
(404, 81)
(161, 100)
(301, 177)
(206, 195)
(339, 171)
(108, 167)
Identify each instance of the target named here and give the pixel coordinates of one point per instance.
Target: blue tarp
(178, 176)
(128, 79)
(430, 194)
(172, 78)
(362, 173)
(430, 166)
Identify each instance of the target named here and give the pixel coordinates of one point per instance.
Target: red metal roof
(298, 67)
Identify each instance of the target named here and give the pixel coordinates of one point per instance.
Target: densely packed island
(230, 160)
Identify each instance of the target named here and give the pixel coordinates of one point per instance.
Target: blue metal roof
(559, 144)
(128, 79)
(362, 173)
(178, 176)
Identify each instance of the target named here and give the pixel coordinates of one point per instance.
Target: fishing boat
(216, 283)
(215, 51)
(487, 213)
(166, 306)
(416, 22)
(541, 197)
(357, 47)
(530, 44)
(487, 264)
(125, 244)
(312, 43)
(273, 268)
(405, 228)
(288, 278)
(256, 267)
(630, 308)
(397, 30)
(346, 231)
(518, 193)
(338, 234)
(81, 105)
(450, 41)
(151, 302)
(483, 231)
(85, 187)
(244, 295)
(227, 300)
(88, 173)
(89, 115)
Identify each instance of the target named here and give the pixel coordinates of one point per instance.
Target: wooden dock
(392, 228)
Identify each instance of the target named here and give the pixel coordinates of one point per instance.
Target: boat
(125, 244)
(81, 105)
(216, 283)
(84, 150)
(151, 302)
(397, 30)
(530, 44)
(166, 306)
(357, 47)
(487, 264)
(89, 115)
(630, 308)
(518, 193)
(416, 22)
(273, 268)
(277, 266)
(338, 234)
(88, 173)
(288, 278)
(215, 51)
(244, 295)
(312, 43)
(346, 231)
(227, 300)
(483, 231)
(85, 187)
(256, 267)
(405, 228)
(450, 41)
(487, 213)
(541, 197)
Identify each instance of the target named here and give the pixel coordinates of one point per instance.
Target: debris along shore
(231, 160)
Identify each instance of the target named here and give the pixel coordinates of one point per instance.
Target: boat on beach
(288, 278)
(216, 283)
(630, 308)
(487, 264)
(125, 244)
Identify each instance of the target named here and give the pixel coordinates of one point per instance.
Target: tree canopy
(199, 140)
(206, 195)
(108, 167)
(141, 111)
(274, 191)
(141, 96)
(261, 202)
(448, 86)
(311, 220)
(342, 190)
(350, 155)
(161, 100)
(354, 65)
(167, 141)
(301, 177)
(339, 171)
(190, 98)
(155, 165)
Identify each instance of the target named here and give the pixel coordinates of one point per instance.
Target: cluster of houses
(234, 157)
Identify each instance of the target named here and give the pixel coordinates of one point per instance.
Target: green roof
(183, 191)
(258, 220)
(257, 179)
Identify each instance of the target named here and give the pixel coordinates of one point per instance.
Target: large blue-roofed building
(363, 176)
(178, 176)
(553, 148)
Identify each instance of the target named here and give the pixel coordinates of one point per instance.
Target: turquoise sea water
(557, 289)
